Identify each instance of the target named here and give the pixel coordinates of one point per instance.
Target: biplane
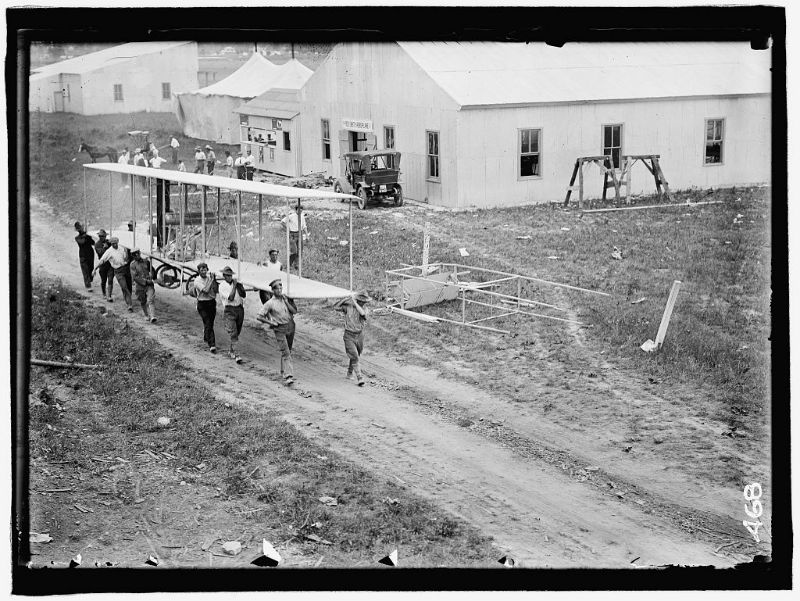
(176, 239)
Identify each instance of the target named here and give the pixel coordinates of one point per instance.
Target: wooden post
(182, 206)
(288, 262)
(133, 211)
(150, 217)
(299, 240)
(110, 208)
(260, 233)
(571, 182)
(239, 236)
(628, 169)
(662, 329)
(219, 222)
(580, 185)
(85, 203)
(426, 246)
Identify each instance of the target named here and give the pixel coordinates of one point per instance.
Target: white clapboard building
(495, 124)
(139, 76)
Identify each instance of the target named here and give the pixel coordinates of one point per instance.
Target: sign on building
(357, 125)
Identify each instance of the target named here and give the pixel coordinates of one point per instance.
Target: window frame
(428, 155)
(121, 98)
(723, 123)
(538, 153)
(326, 141)
(603, 141)
(166, 87)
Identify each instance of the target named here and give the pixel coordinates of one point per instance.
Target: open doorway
(358, 141)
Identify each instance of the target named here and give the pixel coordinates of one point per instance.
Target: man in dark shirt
(144, 289)
(106, 271)
(85, 254)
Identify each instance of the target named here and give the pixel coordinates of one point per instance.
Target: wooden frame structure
(179, 264)
(496, 293)
(617, 180)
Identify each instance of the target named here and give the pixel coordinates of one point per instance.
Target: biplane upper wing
(218, 181)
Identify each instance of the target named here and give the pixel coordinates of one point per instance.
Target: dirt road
(547, 497)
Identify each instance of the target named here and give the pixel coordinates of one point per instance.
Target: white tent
(208, 113)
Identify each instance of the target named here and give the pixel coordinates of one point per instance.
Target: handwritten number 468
(755, 511)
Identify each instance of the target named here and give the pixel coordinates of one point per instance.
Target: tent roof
(500, 73)
(103, 58)
(277, 102)
(257, 76)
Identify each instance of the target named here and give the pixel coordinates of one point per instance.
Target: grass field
(715, 363)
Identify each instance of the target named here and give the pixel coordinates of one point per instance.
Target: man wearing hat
(204, 288)
(85, 254)
(118, 258)
(240, 166)
(278, 313)
(228, 163)
(200, 160)
(232, 295)
(106, 271)
(144, 288)
(355, 316)
(211, 159)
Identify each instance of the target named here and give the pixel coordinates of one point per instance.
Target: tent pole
(288, 255)
(260, 245)
(183, 206)
(133, 212)
(164, 197)
(85, 202)
(219, 222)
(203, 217)
(351, 245)
(239, 236)
(110, 208)
(150, 216)
(299, 240)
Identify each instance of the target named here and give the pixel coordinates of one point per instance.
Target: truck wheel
(398, 197)
(362, 198)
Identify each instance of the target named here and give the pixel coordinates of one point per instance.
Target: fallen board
(249, 274)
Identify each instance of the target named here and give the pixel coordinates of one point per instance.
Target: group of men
(129, 268)
(277, 310)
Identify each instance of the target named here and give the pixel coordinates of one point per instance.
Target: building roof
(498, 73)
(103, 58)
(257, 76)
(280, 103)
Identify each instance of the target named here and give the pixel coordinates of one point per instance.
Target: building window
(612, 144)
(326, 140)
(530, 163)
(433, 154)
(287, 143)
(118, 92)
(715, 130)
(166, 93)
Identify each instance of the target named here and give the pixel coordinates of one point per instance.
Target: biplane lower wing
(251, 275)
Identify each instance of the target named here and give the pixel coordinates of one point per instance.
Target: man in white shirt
(240, 165)
(118, 258)
(232, 295)
(211, 159)
(278, 313)
(291, 221)
(273, 271)
(228, 163)
(250, 166)
(200, 160)
(157, 161)
(205, 288)
(174, 144)
(124, 159)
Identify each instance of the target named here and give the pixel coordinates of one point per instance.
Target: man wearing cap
(85, 254)
(273, 270)
(174, 144)
(144, 288)
(232, 295)
(250, 165)
(118, 258)
(278, 313)
(355, 316)
(106, 271)
(211, 159)
(200, 160)
(240, 166)
(204, 288)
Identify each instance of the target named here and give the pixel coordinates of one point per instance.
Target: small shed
(140, 76)
(269, 125)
